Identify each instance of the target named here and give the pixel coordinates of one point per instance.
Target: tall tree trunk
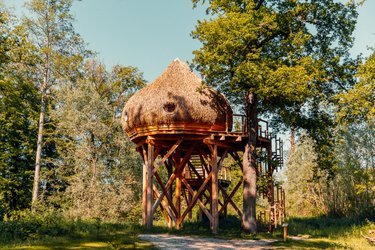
(249, 222)
(38, 157)
(38, 153)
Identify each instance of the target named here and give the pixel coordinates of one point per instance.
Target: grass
(312, 233)
(89, 236)
(327, 233)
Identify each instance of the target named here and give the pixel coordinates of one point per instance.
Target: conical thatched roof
(176, 101)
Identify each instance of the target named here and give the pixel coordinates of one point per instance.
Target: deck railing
(263, 131)
(239, 125)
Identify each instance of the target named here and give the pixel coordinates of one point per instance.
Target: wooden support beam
(196, 199)
(163, 210)
(167, 155)
(165, 190)
(229, 199)
(214, 191)
(169, 164)
(167, 207)
(222, 158)
(209, 143)
(177, 160)
(140, 143)
(144, 186)
(197, 194)
(150, 157)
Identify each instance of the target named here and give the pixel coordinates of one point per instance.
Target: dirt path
(165, 241)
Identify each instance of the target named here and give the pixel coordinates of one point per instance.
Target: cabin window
(169, 107)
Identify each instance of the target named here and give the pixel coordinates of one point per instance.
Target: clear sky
(149, 34)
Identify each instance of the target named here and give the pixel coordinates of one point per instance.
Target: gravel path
(165, 241)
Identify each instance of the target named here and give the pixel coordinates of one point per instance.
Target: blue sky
(149, 34)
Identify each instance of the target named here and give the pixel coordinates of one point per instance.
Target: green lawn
(116, 240)
(306, 233)
(327, 233)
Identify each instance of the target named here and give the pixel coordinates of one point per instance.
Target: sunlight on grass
(304, 233)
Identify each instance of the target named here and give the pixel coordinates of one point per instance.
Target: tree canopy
(283, 59)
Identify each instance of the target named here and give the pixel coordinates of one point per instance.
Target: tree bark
(249, 222)
(38, 154)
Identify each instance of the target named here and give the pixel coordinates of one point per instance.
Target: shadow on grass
(116, 240)
(72, 235)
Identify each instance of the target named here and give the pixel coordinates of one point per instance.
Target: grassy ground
(108, 236)
(306, 233)
(327, 233)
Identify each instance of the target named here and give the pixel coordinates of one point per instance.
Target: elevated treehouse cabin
(189, 129)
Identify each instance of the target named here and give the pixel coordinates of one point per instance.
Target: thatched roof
(176, 100)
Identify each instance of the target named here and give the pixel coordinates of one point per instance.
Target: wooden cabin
(188, 129)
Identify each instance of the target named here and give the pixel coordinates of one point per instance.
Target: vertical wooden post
(177, 160)
(150, 157)
(215, 192)
(169, 194)
(144, 186)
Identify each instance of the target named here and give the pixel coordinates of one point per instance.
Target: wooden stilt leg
(169, 194)
(177, 160)
(215, 192)
(144, 187)
(144, 194)
(150, 157)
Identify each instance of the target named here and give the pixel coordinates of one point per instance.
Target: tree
(357, 104)
(58, 50)
(18, 119)
(306, 193)
(98, 163)
(353, 189)
(277, 57)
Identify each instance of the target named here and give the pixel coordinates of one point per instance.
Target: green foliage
(98, 164)
(18, 116)
(293, 55)
(358, 103)
(305, 189)
(349, 193)
(352, 191)
(18, 120)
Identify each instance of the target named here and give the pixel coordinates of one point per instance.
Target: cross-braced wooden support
(178, 155)
(181, 172)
